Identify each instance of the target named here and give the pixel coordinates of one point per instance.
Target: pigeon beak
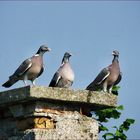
(70, 54)
(48, 49)
(113, 53)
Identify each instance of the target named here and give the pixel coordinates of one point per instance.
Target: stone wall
(38, 113)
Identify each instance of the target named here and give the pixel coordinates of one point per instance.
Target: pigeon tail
(94, 87)
(10, 82)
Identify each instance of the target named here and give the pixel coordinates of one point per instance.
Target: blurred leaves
(119, 133)
(103, 116)
(103, 128)
(115, 90)
(126, 124)
(106, 114)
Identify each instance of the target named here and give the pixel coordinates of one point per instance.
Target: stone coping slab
(78, 97)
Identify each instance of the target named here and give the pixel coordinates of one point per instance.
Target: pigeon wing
(119, 79)
(99, 79)
(23, 68)
(55, 80)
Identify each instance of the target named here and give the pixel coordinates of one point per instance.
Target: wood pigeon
(30, 69)
(108, 77)
(64, 76)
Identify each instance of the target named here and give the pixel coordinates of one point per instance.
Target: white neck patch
(36, 55)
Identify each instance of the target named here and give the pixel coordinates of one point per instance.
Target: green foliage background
(103, 116)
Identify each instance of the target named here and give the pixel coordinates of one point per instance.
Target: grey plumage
(108, 77)
(64, 76)
(29, 69)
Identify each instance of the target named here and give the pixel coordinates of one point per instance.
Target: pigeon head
(116, 56)
(43, 49)
(66, 57)
(115, 53)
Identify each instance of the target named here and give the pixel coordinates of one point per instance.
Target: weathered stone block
(67, 128)
(38, 113)
(26, 94)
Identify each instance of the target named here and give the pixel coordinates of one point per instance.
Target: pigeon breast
(66, 72)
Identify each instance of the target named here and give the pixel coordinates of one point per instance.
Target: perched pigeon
(64, 76)
(30, 69)
(108, 77)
